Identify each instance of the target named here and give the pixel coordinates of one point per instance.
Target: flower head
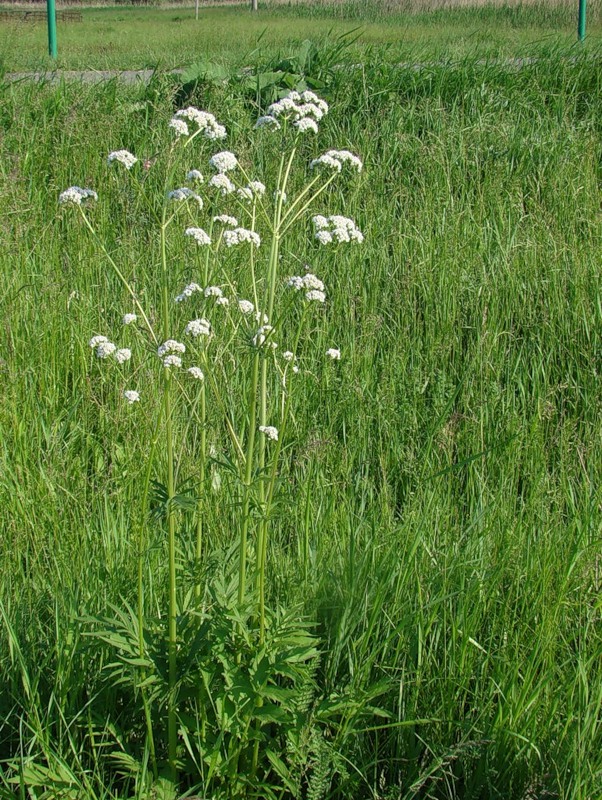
(188, 291)
(75, 195)
(269, 122)
(131, 396)
(194, 175)
(198, 327)
(223, 183)
(239, 236)
(224, 219)
(223, 162)
(170, 346)
(96, 340)
(306, 124)
(123, 157)
(213, 291)
(105, 349)
(183, 194)
(315, 295)
(199, 235)
(336, 228)
(246, 307)
(254, 189)
(270, 432)
(179, 127)
(172, 361)
(205, 122)
(123, 355)
(336, 159)
(196, 373)
(310, 283)
(261, 336)
(128, 319)
(333, 353)
(305, 109)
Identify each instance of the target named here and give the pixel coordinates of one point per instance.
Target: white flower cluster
(131, 396)
(76, 195)
(224, 219)
(290, 358)
(199, 235)
(246, 307)
(254, 189)
(224, 161)
(194, 176)
(185, 193)
(104, 348)
(262, 335)
(123, 355)
(213, 291)
(269, 431)
(268, 122)
(333, 353)
(336, 229)
(310, 284)
(167, 353)
(198, 327)
(222, 182)
(179, 127)
(306, 124)
(239, 236)
(188, 291)
(196, 373)
(336, 159)
(124, 157)
(306, 109)
(205, 122)
(128, 319)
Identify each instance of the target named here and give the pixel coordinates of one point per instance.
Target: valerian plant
(224, 688)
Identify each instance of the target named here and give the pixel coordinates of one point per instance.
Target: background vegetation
(134, 37)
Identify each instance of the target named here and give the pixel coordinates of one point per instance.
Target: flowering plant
(239, 313)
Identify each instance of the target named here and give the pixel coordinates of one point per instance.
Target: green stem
(306, 206)
(142, 543)
(172, 728)
(120, 276)
(199, 524)
(247, 480)
(172, 618)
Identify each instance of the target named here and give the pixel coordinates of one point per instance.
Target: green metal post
(51, 14)
(581, 25)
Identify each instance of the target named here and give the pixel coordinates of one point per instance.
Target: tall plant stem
(120, 275)
(267, 499)
(172, 728)
(283, 175)
(142, 544)
(199, 522)
(242, 576)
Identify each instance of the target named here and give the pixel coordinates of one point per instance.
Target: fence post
(51, 14)
(581, 24)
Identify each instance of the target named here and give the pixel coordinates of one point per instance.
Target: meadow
(400, 596)
(136, 38)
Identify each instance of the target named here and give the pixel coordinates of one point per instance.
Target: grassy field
(132, 38)
(420, 616)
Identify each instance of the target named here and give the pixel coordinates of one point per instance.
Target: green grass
(134, 38)
(447, 476)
